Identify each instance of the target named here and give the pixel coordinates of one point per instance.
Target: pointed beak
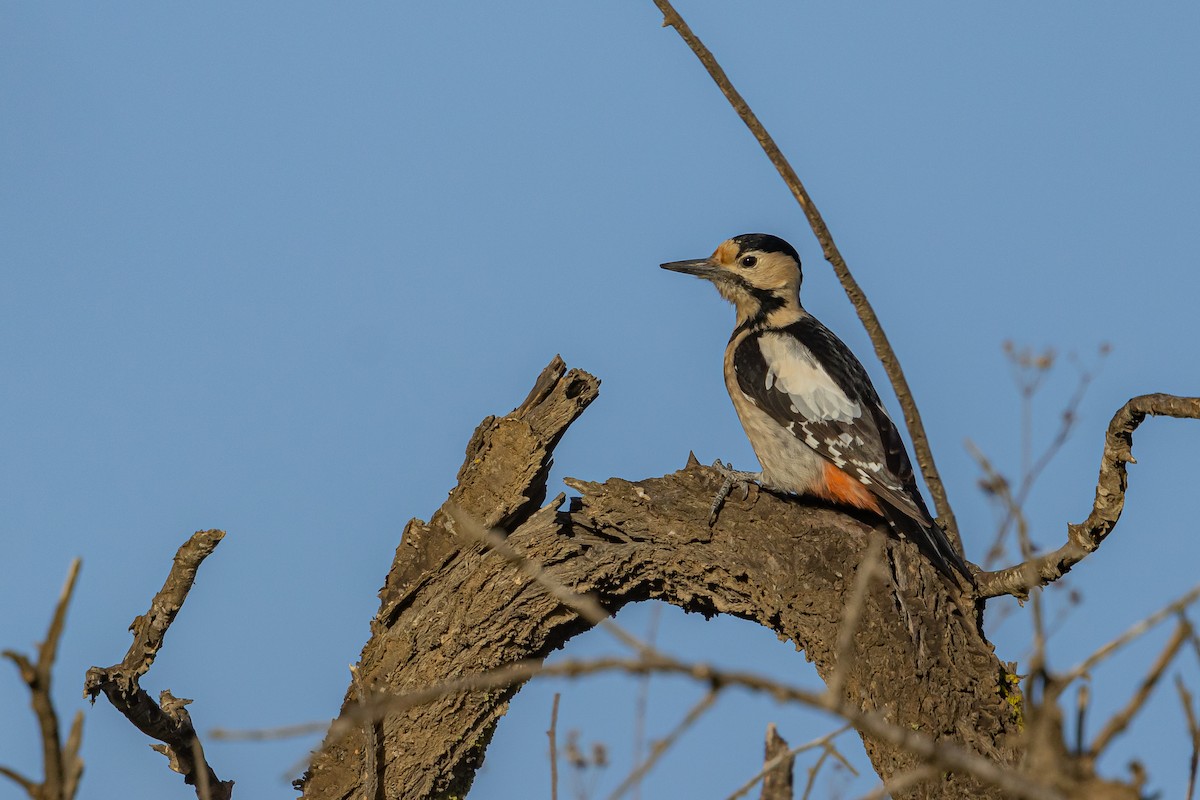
(701, 268)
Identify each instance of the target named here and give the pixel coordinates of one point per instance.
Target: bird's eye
(749, 261)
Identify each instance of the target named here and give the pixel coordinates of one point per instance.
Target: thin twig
(167, 720)
(1120, 721)
(643, 697)
(30, 787)
(61, 764)
(1133, 632)
(883, 348)
(841, 759)
(1031, 472)
(813, 771)
(275, 734)
(1084, 538)
(828, 750)
(999, 487)
(553, 734)
(659, 748)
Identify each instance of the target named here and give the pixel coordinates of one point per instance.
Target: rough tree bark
(450, 610)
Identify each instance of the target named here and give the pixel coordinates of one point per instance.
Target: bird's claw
(732, 478)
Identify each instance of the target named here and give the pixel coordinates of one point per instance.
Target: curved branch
(453, 607)
(883, 348)
(1085, 537)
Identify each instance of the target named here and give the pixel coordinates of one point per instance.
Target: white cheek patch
(791, 369)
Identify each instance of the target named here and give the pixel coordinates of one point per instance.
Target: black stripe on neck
(768, 301)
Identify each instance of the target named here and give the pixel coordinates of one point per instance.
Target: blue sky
(265, 267)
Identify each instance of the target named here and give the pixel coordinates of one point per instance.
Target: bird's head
(757, 272)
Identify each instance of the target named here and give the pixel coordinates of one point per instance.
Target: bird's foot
(733, 477)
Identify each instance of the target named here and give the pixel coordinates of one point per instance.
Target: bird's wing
(809, 382)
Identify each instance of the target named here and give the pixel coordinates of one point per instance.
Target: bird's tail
(932, 542)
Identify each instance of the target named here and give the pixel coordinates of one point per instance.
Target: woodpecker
(807, 405)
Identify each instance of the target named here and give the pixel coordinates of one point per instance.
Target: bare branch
(1132, 633)
(813, 771)
(883, 348)
(1185, 697)
(1084, 538)
(998, 486)
(168, 720)
(268, 734)
(1024, 362)
(30, 787)
(61, 764)
(643, 698)
(1120, 721)
(553, 736)
(828, 750)
(1194, 640)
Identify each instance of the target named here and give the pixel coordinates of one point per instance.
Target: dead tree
(915, 675)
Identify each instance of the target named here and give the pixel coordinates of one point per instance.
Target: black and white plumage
(808, 407)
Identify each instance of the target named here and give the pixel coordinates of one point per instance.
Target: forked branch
(62, 766)
(167, 720)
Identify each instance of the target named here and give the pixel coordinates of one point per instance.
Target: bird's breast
(787, 462)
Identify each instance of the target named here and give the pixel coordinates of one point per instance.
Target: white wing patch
(792, 369)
